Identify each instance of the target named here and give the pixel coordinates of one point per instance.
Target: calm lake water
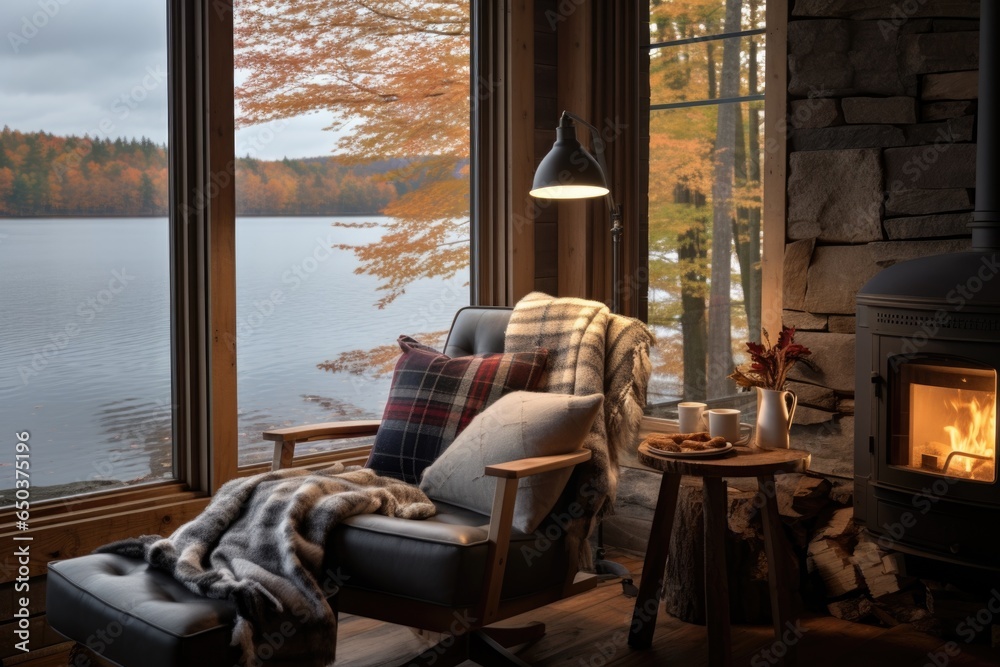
(84, 338)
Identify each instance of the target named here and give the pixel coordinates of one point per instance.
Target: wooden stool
(739, 462)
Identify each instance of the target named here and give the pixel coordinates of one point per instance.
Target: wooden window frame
(775, 163)
(503, 119)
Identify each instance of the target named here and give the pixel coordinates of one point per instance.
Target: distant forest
(46, 175)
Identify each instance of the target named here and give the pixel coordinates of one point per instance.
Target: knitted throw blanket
(591, 351)
(260, 543)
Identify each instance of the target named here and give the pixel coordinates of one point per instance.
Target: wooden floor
(590, 630)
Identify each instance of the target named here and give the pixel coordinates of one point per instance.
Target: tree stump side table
(739, 462)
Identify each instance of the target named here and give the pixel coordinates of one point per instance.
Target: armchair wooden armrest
(502, 517)
(539, 464)
(285, 439)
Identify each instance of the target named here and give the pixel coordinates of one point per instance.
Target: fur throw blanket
(591, 351)
(260, 543)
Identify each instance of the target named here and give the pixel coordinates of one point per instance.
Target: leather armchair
(458, 564)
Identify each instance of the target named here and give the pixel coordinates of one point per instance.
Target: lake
(84, 338)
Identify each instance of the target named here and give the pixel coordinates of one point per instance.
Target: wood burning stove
(928, 354)
(926, 475)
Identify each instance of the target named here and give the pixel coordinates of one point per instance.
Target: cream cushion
(522, 424)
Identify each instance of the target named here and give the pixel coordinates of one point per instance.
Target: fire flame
(974, 431)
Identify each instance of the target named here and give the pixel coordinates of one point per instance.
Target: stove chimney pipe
(986, 219)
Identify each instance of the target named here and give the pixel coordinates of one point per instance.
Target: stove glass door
(943, 419)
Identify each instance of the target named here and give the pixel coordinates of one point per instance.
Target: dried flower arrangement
(769, 366)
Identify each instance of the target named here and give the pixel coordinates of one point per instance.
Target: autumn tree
(395, 74)
(704, 189)
(147, 194)
(720, 359)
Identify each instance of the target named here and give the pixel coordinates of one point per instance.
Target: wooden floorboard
(590, 630)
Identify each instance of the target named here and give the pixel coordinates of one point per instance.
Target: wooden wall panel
(618, 34)
(575, 90)
(503, 150)
(520, 156)
(546, 114)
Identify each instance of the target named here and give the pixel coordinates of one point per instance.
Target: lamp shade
(568, 171)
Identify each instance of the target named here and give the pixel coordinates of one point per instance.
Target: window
(85, 336)
(185, 358)
(352, 201)
(705, 193)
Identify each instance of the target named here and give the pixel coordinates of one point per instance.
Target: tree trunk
(746, 223)
(694, 327)
(741, 218)
(720, 356)
(750, 257)
(746, 563)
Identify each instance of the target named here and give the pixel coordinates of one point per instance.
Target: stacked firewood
(854, 570)
(857, 580)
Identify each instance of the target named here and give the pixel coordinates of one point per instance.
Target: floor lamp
(568, 171)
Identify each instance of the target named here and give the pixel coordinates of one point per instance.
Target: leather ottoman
(136, 616)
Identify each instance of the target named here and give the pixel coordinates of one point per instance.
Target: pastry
(693, 437)
(694, 445)
(659, 440)
(684, 442)
(663, 442)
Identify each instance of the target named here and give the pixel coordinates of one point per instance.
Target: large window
(705, 222)
(118, 257)
(352, 201)
(85, 364)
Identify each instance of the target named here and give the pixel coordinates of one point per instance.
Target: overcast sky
(99, 67)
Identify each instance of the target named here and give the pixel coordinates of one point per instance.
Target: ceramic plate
(693, 454)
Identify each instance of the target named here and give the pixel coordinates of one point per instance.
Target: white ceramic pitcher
(775, 410)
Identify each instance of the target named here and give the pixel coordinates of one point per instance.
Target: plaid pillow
(433, 397)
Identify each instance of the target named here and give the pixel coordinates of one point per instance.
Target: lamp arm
(613, 207)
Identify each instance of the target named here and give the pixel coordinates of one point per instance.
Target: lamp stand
(554, 178)
(616, 258)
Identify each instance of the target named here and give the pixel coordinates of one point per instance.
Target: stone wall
(881, 169)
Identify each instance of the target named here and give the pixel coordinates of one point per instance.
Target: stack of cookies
(684, 442)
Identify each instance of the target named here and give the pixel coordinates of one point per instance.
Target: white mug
(725, 422)
(691, 417)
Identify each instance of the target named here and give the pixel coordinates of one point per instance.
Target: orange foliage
(397, 73)
(53, 175)
(378, 361)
